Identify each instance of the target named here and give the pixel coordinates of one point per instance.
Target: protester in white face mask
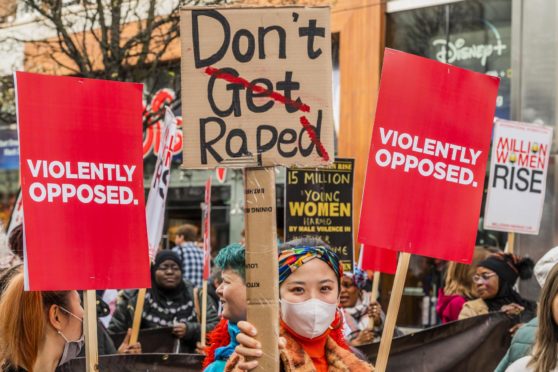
(311, 325)
(38, 330)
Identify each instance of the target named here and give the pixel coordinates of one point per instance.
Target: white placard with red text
(517, 185)
(155, 206)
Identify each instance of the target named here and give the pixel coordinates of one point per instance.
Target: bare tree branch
(125, 40)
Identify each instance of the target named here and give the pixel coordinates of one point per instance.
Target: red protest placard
(82, 183)
(378, 259)
(428, 157)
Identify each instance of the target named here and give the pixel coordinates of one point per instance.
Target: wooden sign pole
(206, 225)
(262, 272)
(137, 316)
(204, 313)
(374, 296)
(393, 310)
(511, 242)
(90, 330)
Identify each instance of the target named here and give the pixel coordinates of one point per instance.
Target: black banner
(474, 344)
(140, 363)
(152, 340)
(319, 202)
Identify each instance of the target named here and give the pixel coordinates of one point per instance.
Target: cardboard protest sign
(378, 259)
(262, 266)
(256, 86)
(428, 157)
(319, 202)
(155, 207)
(517, 182)
(82, 183)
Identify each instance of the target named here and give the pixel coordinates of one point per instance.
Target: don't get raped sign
(428, 158)
(82, 183)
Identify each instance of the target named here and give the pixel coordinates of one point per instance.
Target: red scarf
(217, 338)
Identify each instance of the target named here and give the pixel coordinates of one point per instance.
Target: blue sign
(9, 148)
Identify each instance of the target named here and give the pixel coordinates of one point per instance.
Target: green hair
(232, 258)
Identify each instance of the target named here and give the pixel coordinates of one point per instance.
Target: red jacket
(449, 307)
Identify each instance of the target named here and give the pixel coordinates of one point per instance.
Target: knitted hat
(509, 267)
(545, 264)
(165, 255)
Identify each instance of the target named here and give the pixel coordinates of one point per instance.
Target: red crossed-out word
(212, 71)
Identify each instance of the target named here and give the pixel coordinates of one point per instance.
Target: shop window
(474, 34)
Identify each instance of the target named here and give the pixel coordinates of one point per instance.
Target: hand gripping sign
(82, 183)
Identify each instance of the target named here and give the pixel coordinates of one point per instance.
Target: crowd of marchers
(325, 313)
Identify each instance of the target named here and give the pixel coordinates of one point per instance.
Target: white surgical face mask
(310, 318)
(71, 348)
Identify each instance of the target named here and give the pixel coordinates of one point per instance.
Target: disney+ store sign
(459, 50)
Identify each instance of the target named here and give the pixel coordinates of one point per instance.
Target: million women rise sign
(517, 184)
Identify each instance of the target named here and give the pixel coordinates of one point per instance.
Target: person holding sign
(494, 280)
(459, 287)
(170, 302)
(232, 292)
(357, 309)
(311, 326)
(52, 323)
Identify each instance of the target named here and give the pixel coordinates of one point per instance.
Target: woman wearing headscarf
(170, 302)
(357, 309)
(494, 279)
(310, 322)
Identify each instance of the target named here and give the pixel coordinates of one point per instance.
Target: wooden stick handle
(393, 310)
(90, 331)
(137, 316)
(204, 313)
(511, 242)
(262, 272)
(374, 296)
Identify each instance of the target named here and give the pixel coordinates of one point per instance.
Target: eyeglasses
(168, 267)
(482, 278)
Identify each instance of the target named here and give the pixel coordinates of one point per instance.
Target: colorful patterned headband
(358, 277)
(293, 258)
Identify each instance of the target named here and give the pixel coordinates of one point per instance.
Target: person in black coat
(170, 302)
